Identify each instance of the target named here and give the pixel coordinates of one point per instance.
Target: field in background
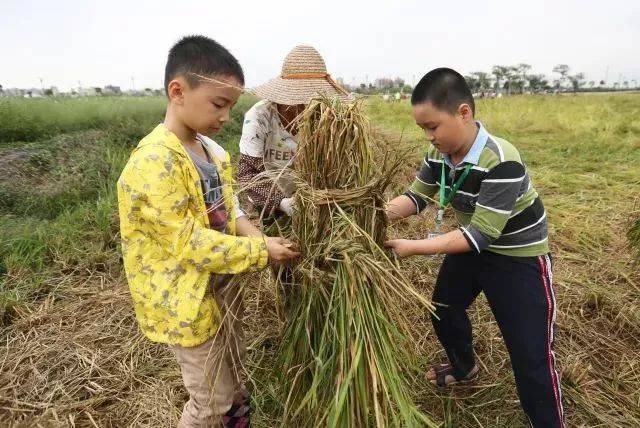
(73, 354)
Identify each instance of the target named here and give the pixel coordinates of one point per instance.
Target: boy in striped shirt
(500, 248)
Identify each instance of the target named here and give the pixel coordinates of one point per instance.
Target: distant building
(383, 83)
(111, 90)
(134, 93)
(14, 92)
(53, 91)
(87, 92)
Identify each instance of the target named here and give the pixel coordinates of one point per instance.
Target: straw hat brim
(296, 91)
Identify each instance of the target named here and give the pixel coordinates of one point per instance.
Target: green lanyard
(446, 199)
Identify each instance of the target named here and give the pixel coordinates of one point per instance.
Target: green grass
(59, 160)
(24, 120)
(583, 153)
(36, 119)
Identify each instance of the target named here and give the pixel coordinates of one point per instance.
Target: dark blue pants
(520, 293)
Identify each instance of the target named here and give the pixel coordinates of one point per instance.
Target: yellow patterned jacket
(169, 251)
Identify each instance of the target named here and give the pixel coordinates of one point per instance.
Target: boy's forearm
(245, 228)
(450, 243)
(400, 207)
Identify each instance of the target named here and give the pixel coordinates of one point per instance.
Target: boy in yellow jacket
(183, 233)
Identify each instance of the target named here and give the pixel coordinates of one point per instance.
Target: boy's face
(444, 130)
(204, 108)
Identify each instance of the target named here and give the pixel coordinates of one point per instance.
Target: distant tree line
(507, 80)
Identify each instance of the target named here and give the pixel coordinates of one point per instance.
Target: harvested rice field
(72, 353)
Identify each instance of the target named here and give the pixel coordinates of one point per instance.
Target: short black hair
(445, 88)
(200, 55)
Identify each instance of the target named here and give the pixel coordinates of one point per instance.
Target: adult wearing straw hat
(268, 141)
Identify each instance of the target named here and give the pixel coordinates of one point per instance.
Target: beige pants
(211, 371)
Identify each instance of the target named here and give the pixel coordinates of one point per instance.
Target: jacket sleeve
(160, 206)
(424, 186)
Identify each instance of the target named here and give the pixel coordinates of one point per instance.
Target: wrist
(422, 247)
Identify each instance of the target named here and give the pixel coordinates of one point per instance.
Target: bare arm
(280, 250)
(245, 228)
(400, 207)
(450, 243)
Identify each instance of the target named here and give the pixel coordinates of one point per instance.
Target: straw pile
(343, 354)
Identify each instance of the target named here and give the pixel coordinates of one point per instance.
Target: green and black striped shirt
(497, 207)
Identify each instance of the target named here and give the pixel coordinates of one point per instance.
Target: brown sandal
(444, 370)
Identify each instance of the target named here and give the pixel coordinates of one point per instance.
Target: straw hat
(304, 76)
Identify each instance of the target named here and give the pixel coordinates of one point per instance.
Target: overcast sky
(96, 43)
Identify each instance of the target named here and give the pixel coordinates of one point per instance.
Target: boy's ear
(465, 111)
(175, 90)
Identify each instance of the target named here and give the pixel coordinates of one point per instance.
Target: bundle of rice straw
(345, 363)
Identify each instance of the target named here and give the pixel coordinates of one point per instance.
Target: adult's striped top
(497, 207)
